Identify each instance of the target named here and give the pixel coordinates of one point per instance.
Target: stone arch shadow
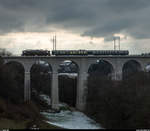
(16, 71)
(41, 79)
(67, 81)
(101, 67)
(130, 68)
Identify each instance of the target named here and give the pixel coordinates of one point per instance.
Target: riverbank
(12, 124)
(30, 116)
(22, 116)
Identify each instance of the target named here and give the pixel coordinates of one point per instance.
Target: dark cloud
(96, 18)
(127, 5)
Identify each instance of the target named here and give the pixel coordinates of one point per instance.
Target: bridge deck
(71, 56)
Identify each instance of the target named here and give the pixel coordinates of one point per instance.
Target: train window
(94, 52)
(97, 52)
(79, 51)
(108, 52)
(57, 52)
(112, 52)
(104, 53)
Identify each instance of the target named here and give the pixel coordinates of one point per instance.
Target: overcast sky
(78, 24)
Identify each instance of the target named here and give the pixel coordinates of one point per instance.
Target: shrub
(122, 104)
(11, 85)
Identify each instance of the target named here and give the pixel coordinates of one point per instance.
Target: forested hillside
(120, 105)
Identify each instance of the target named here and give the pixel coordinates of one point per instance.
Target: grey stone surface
(83, 63)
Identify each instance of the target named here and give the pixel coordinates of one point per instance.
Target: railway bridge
(83, 63)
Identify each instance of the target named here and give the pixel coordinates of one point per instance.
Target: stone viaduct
(83, 63)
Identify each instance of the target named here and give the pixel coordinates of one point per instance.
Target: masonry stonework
(83, 63)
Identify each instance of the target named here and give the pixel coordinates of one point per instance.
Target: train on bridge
(73, 52)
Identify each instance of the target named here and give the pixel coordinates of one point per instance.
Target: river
(70, 119)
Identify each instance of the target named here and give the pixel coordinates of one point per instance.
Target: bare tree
(4, 52)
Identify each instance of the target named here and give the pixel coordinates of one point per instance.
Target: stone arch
(18, 62)
(75, 63)
(130, 68)
(102, 67)
(147, 67)
(33, 63)
(41, 78)
(67, 81)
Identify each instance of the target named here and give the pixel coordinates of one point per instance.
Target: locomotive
(73, 52)
(35, 53)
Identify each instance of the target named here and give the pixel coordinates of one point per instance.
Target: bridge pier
(82, 85)
(81, 91)
(118, 71)
(118, 75)
(27, 90)
(54, 91)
